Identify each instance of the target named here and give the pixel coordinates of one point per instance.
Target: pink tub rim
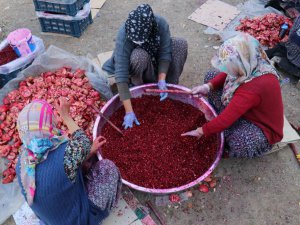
(168, 190)
(24, 32)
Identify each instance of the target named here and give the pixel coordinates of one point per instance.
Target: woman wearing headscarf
(291, 8)
(145, 53)
(245, 92)
(49, 169)
(286, 55)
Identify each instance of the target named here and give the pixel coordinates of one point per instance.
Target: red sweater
(258, 101)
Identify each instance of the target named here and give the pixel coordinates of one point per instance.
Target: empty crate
(68, 7)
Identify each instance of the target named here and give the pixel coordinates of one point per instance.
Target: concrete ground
(264, 191)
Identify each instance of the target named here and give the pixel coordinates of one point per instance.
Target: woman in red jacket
(247, 97)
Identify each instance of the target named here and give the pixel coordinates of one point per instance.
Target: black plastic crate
(68, 9)
(74, 28)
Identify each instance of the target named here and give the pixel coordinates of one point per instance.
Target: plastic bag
(55, 58)
(250, 9)
(25, 216)
(10, 197)
(22, 61)
(82, 14)
(10, 194)
(52, 59)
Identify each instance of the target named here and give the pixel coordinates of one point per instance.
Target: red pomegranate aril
(174, 198)
(213, 183)
(208, 178)
(203, 188)
(7, 55)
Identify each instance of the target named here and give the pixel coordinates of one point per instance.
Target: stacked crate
(63, 9)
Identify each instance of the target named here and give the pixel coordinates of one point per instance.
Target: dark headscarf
(141, 26)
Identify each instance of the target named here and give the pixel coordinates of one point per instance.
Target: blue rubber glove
(129, 118)
(162, 85)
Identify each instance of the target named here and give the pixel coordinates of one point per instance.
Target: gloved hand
(201, 90)
(162, 85)
(194, 133)
(129, 118)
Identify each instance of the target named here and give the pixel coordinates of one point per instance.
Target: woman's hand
(194, 133)
(63, 107)
(201, 89)
(162, 85)
(91, 159)
(98, 142)
(129, 120)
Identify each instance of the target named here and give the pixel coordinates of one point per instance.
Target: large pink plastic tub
(114, 104)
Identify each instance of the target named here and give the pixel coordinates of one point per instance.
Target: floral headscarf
(242, 59)
(38, 132)
(141, 27)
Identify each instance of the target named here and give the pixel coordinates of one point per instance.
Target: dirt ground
(262, 191)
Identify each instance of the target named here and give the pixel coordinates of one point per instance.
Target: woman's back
(268, 113)
(57, 200)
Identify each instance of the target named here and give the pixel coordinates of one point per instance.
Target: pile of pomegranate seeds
(266, 28)
(7, 55)
(154, 155)
(48, 86)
